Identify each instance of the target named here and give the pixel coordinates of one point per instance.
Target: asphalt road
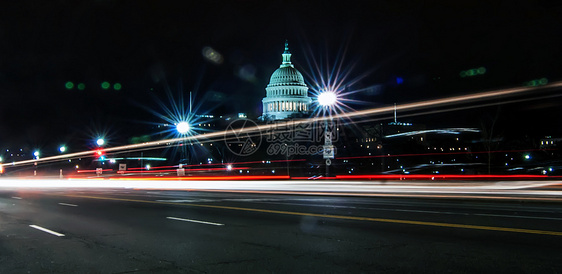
(148, 231)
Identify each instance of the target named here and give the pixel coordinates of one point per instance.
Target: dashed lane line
(65, 204)
(47, 230)
(193, 221)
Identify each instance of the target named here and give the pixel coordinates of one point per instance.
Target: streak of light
(92, 170)
(438, 131)
(210, 178)
(222, 164)
(521, 185)
(152, 167)
(440, 153)
(264, 128)
(437, 177)
(191, 169)
(502, 102)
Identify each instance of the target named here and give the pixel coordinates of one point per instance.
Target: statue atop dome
(286, 56)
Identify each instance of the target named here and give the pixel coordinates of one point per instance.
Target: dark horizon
(151, 47)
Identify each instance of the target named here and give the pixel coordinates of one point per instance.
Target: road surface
(151, 231)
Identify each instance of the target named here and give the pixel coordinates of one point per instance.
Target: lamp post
(287, 158)
(183, 128)
(36, 156)
(327, 99)
(62, 149)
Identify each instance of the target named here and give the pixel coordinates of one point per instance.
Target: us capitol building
(286, 93)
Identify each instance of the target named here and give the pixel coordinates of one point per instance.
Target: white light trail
(343, 187)
(438, 131)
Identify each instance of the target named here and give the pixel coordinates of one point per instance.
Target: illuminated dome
(286, 94)
(286, 76)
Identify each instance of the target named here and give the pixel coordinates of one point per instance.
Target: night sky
(151, 47)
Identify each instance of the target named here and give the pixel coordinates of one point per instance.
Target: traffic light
(100, 154)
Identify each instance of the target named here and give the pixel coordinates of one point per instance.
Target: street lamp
(183, 127)
(328, 99)
(100, 142)
(62, 149)
(36, 154)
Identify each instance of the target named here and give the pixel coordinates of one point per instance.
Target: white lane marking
(47, 230)
(193, 221)
(19, 198)
(65, 204)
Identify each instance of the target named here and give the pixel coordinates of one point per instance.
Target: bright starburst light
(327, 98)
(100, 142)
(180, 117)
(183, 127)
(331, 82)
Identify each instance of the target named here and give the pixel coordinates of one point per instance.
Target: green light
(81, 86)
(105, 85)
(473, 72)
(543, 81)
(69, 85)
(117, 86)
